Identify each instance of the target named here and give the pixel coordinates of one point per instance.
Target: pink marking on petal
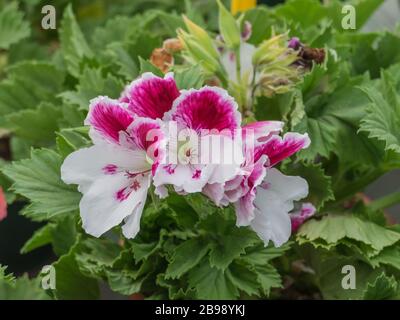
(110, 169)
(209, 108)
(108, 117)
(299, 217)
(3, 205)
(196, 174)
(169, 169)
(125, 192)
(151, 96)
(135, 185)
(232, 56)
(278, 148)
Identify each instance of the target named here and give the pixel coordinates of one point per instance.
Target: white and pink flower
(262, 196)
(204, 145)
(191, 140)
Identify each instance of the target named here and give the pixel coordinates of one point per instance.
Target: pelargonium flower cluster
(191, 140)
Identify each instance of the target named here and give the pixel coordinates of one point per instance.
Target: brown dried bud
(172, 45)
(313, 54)
(162, 59)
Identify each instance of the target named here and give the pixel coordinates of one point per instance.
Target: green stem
(386, 201)
(351, 188)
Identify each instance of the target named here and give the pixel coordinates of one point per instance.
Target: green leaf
(146, 66)
(388, 256)
(13, 26)
(125, 282)
(39, 239)
(126, 278)
(22, 288)
(230, 246)
(64, 235)
(243, 278)
(32, 125)
(92, 83)
(320, 185)
(383, 114)
(302, 12)
(29, 84)
(127, 65)
(257, 260)
(382, 288)
(188, 78)
(73, 43)
(260, 255)
(69, 140)
(116, 29)
(7, 278)
(211, 283)
(71, 284)
(186, 256)
(175, 289)
(267, 276)
(369, 52)
(335, 117)
(328, 268)
(228, 27)
(333, 228)
(38, 179)
(144, 250)
(261, 20)
(95, 255)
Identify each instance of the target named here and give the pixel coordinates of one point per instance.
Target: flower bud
(196, 53)
(201, 36)
(228, 27)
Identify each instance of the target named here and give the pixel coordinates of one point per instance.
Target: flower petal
(273, 202)
(151, 96)
(299, 217)
(107, 118)
(185, 178)
(3, 205)
(111, 199)
(215, 192)
(132, 223)
(209, 108)
(245, 205)
(86, 165)
(278, 148)
(228, 60)
(262, 130)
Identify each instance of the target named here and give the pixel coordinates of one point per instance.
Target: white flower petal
(132, 223)
(183, 177)
(273, 203)
(86, 165)
(101, 208)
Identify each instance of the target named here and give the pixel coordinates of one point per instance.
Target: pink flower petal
(209, 108)
(261, 130)
(299, 217)
(245, 205)
(151, 96)
(278, 148)
(3, 205)
(107, 118)
(146, 134)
